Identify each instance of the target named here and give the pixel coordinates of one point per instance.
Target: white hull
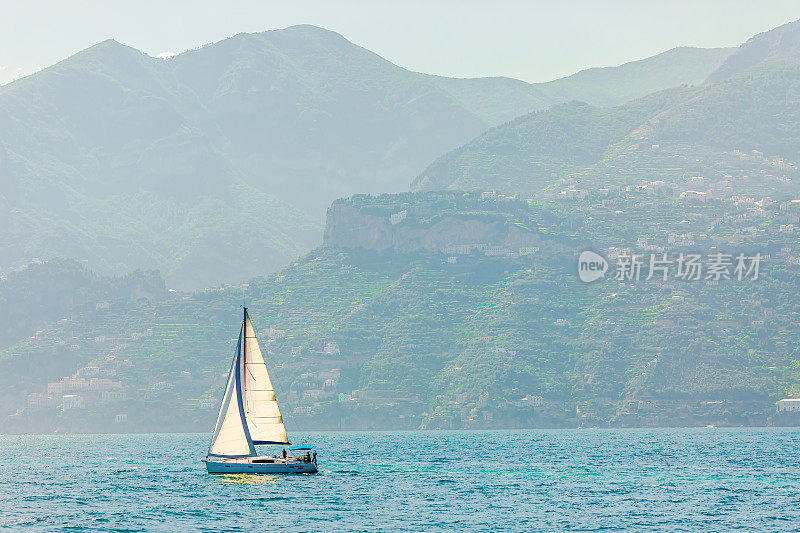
(248, 466)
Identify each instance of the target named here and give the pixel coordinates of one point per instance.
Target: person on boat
(315, 457)
(308, 457)
(284, 454)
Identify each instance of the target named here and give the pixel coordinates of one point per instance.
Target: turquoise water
(582, 480)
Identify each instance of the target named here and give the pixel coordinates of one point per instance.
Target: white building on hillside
(398, 217)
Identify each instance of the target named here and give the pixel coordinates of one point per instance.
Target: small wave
(780, 518)
(23, 521)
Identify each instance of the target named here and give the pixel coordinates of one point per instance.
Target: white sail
(263, 416)
(230, 437)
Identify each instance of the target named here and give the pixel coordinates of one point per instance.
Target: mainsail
(263, 416)
(249, 412)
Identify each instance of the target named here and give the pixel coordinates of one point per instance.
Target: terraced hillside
(458, 333)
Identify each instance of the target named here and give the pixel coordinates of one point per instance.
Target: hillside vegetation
(533, 151)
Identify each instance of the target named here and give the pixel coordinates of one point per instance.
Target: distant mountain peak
(107, 50)
(310, 28)
(111, 44)
(307, 32)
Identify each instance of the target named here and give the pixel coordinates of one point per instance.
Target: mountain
(612, 86)
(444, 309)
(737, 132)
(217, 164)
(535, 150)
(781, 41)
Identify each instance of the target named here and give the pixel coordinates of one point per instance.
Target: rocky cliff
(451, 225)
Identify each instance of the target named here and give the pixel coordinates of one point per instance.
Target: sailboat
(249, 416)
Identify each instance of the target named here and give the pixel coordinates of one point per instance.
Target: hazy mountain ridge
(777, 42)
(752, 110)
(611, 86)
(47, 296)
(116, 157)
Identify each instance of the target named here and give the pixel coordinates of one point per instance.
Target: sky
(529, 40)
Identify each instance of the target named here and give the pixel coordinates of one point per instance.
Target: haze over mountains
(217, 164)
(749, 103)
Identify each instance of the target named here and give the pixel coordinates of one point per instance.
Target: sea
(534, 480)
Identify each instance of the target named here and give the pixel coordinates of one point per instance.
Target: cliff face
(405, 231)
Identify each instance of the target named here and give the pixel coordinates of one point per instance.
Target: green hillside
(469, 334)
(533, 151)
(737, 135)
(43, 293)
(754, 110)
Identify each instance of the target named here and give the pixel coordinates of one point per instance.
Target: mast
(241, 384)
